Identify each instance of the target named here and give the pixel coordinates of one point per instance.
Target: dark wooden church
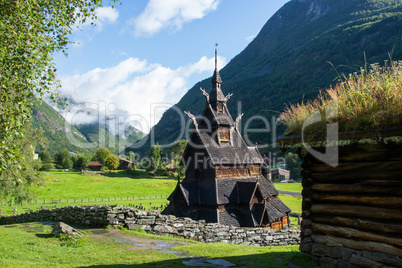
(226, 181)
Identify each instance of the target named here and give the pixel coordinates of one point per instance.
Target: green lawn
(291, 187)
(37, 248)
(32, 245)
(62, 185)
(71, 188)
(293, 202)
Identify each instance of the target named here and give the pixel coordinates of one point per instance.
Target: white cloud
(131, 89)
(85, 32)
(103, 14)
(250, 38)
(107, 14)
(160, 14)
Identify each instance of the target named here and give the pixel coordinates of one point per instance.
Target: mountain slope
(301, 49)
(59, 133)
(83, 138)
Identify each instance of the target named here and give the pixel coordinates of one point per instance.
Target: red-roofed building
(95, 165)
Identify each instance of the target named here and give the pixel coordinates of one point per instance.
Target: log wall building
(352, 213)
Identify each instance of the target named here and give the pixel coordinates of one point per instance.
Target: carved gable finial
(192, 118)
(205, 94)
(228, 96)
(236, 126)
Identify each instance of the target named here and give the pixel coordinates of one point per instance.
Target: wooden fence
(82, 200)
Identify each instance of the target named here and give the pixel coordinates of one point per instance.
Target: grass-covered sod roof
(369, 99)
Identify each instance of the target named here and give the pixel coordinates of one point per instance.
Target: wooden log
(373, 152)
(356, 189)
(306, 244)
(373, 201)
(396, 183)
(355, 234)
(306, 192)
(351, 156)
(360, 224)
(306, 182)
(358, 176)
(306, 214)
(333, 241)
(305, 173)
(306, 203)
(305, 223)
(356, 211)
(306, 232)
(358, 166)
(307, 162)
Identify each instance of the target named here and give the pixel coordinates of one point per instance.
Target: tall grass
(370, 99)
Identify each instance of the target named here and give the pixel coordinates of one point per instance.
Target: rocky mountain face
(304, 48)
(58, 133)
(82, 138)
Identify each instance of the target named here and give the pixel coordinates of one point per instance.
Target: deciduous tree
(102, 154)
(31, 32)
(157, 165)
(293, 165)
(112, 162)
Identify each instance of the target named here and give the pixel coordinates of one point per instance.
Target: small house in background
(95, 165)
(171, 168)
(279, 175)
(125, 164)
(225, 181)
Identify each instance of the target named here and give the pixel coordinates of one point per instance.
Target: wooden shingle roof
(235, 153)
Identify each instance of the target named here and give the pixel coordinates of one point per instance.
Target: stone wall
(154, 222)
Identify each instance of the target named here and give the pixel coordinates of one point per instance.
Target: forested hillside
(55, 129)
(303, 48)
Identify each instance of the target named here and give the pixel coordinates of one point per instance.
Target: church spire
(216, 56)
(216, 92)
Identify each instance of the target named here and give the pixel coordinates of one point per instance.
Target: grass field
(290, 187)
(293, 202)
(71, 188)
(62, 185)
(32, 245)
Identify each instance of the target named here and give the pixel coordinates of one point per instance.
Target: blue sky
(148, 52)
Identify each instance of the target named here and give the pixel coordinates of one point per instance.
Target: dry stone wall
(154, 222)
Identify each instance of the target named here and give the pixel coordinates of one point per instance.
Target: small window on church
(224, 135)
(219, 107)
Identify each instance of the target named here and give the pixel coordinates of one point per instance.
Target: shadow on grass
(272, 260)
(45, 235)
